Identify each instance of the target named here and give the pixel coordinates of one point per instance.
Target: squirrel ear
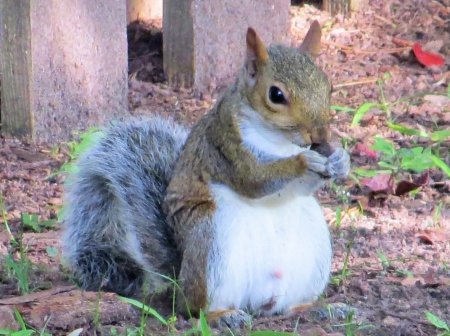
(256, 52)
(311, 42)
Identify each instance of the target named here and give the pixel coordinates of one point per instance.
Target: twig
(359, 51)
(351, 49)
(358, 82)
(402, 43)
(389, 22)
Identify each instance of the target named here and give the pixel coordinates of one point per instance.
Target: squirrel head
(288, 90)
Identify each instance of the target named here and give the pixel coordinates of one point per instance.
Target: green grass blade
(204, 325)
(361, 111)
(342, 108)
(441, 164)
(19, 319)
(407, 130)
(144, 307)
(24, 333)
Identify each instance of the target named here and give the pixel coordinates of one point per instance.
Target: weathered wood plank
(178, 43)
(17, 117)
(204, 41)
(65, 66)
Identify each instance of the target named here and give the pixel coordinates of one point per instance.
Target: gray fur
(114, 226)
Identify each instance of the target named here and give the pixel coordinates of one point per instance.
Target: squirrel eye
(276, 96)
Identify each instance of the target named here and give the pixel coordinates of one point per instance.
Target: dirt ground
(391, 253)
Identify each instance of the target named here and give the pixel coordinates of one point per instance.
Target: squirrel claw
(233, 319)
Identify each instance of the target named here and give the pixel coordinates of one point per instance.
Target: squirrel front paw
(316, 162)
(338, 165)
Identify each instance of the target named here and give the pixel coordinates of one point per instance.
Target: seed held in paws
(324, 149)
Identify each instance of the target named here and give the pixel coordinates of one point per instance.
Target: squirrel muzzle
(320, 135)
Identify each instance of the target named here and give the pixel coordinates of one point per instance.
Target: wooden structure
(64, 66)
(204, 41)
(64, 63)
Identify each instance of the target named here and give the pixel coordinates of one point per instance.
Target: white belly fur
(257, 240)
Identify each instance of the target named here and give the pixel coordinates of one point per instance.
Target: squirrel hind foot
(96, 270)
(232, 318)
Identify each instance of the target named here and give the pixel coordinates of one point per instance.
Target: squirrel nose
(320, 135)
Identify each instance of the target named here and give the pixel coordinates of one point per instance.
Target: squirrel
(226, 208)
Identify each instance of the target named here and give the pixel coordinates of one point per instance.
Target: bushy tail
(114, 227)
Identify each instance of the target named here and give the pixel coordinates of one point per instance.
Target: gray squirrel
(227, 208)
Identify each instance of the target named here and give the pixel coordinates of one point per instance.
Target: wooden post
(178, 43)
(204, 41)
(64, 66)
(337, 6)
(17, 117)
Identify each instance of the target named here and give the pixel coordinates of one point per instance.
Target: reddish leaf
(404, 186)
(362, 150)
(425, 57)
(382, 183)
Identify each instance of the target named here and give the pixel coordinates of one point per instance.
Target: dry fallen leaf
(440, 101)
(430, 280)
(431, 236)
(411, 281)
(381, 183)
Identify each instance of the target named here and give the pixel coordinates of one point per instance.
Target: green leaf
(144, 307)
(69, 167)
(382, 145)
(418, 163)
(52, 251)
(440, 135)
(407, 131)
(88, 141)
(417, 150)
(361, 111)
(436, 321)
(441, 164)
(31, 221)
(387, 165)
(50, 223)
(61, 213)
